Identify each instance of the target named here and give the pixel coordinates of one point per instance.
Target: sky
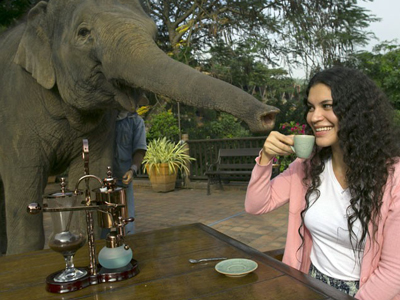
(387, 29)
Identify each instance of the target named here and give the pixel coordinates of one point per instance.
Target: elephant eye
(83, 32)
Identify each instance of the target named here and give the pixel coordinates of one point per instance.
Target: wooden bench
(226, 168)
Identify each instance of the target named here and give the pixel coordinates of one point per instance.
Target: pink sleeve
(264, 195)
(384, 282)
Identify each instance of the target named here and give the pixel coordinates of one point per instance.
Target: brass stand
(96, 273)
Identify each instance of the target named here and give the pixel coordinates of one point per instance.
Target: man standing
(129, 150)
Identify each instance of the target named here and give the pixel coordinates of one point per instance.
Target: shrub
(163, 124)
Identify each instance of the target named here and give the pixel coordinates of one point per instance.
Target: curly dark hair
(369, 141)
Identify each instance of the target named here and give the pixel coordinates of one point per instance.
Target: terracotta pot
(162, 180)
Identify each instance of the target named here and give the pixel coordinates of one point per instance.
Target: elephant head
(101, 54)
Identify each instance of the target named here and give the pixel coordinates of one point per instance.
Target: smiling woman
(344, 201)
(321, 118)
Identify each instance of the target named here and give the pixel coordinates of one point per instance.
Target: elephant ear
(34, 50)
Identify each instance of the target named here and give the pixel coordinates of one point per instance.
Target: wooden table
(165, 272)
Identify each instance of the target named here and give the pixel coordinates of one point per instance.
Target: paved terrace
(222, 210)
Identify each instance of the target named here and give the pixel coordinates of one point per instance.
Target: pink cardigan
(380, 269)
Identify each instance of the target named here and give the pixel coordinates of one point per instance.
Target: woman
(344, 201)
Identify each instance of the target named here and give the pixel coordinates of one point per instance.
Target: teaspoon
(195, 261)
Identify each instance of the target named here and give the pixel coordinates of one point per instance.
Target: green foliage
(12, 10)
(381, 65)
(162, 151)
(202, 123)
(241, 65)
(290, 103)
(397, 118)
(225, 126)
(163, 124)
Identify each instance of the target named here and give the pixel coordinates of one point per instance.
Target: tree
(193, 23)
(381, 65)
(317, 33)
(324, 33)
(242, 66)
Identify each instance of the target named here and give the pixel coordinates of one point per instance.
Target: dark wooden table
(165, 272)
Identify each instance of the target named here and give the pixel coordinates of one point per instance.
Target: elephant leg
(24, 231)
(3, 233)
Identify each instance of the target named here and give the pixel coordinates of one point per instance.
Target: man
(129, 150)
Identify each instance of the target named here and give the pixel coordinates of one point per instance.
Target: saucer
(236, 267)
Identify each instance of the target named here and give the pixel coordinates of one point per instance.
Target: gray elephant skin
(65, 71)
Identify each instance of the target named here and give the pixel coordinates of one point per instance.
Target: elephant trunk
(151, 69)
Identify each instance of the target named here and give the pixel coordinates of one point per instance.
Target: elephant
(65, 72)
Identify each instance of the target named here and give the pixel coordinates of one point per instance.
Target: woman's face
(321, 118)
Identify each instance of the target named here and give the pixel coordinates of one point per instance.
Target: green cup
(303, 145)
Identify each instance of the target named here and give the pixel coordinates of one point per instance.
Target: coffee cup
(303, 145)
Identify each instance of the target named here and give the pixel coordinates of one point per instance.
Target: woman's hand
(276, 144)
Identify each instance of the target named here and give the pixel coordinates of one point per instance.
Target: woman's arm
(384, 282)
(263, 194)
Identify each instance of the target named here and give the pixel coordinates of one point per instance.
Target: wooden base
(108, 275)
(66, 287)
(104, 275)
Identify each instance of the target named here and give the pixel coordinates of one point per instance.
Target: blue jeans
(130, 227)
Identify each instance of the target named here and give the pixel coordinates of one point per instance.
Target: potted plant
(162, 161)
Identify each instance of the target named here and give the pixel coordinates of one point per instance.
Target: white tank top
(332, 253)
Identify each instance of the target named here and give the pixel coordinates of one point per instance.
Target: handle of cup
(293, 149)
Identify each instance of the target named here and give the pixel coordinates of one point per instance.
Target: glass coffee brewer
(67, 210)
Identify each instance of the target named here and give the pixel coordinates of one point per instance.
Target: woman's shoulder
(395, 168)
(394, 174)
